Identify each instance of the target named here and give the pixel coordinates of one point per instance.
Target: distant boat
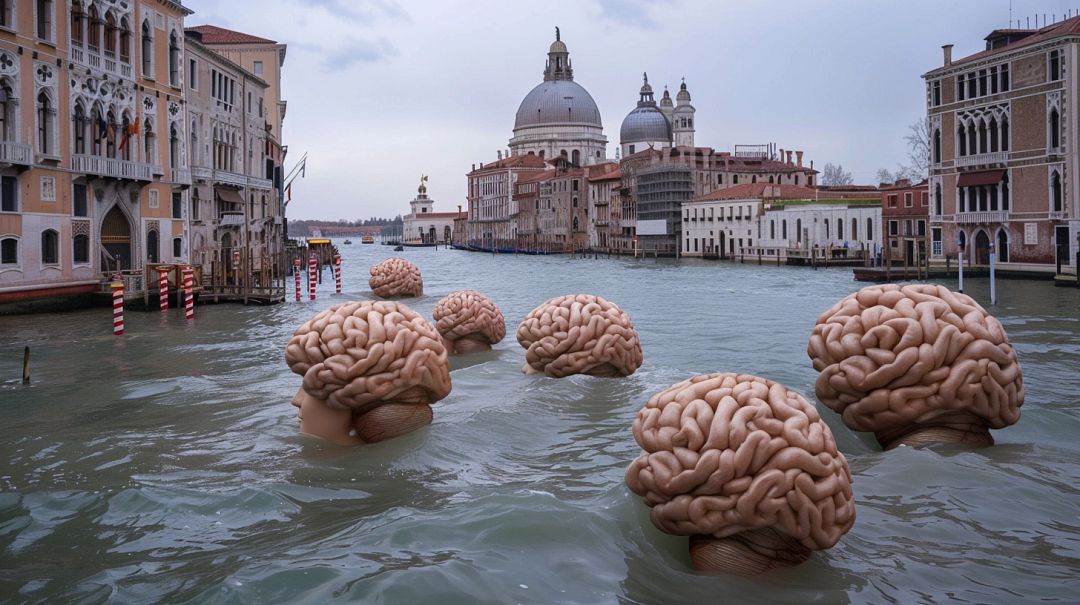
(348, 242)
(398, 249)
(367, 239)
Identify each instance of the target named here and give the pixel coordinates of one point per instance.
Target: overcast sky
(382, 91)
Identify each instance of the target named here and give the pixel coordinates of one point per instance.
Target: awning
(986, 177)
(228, 195)
(202, 192)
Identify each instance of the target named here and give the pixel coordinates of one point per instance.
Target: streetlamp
(960, 258)
(993, 289)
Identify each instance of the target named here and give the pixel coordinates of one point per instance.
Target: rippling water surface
(165, 466)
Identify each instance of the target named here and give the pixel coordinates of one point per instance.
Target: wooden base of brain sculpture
(916, 364)
(579, 334)
(395, 278)
(468, 322)
(746, 468)
(371, 370)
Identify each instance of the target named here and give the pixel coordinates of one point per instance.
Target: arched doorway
(982, 248)
(116, 239)
(226, 257)
(1003, 245)
(152, 246)
(431, 235)
(446, 234)
(723, 245)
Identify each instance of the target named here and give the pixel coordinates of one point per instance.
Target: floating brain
(468, 321)
(394, 278)
(579, 334)
(916, 364)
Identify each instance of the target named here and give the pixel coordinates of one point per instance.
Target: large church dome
(557, 102)
(645, 124)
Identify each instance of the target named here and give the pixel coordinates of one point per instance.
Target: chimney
(947, 51)
(798, 158)
(474, 166)
(789, 157)
(499, 153)
(459, 208)
(781, 154)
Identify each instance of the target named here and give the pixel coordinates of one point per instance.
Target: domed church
(648, 125)
(559, 117)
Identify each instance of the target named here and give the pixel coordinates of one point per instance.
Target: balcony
(1058, 215)
(182, 176)
(983, 159)
(232, 219)
(936, 219)
(15, 153)
(259, 183)
(982, 218)
(91, 57)
(111, 167)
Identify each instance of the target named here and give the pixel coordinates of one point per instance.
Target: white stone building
(423, 226)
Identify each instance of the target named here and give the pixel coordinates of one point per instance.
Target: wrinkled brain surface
(467, 312)
(575, 333)
(726, 453)
(395, 277)
(890, 356)
(358, 355)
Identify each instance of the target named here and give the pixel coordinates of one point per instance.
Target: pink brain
(357, 355)
(890, 356)
(578, 334)
(395, 277)
(468, 313)
(727, 453)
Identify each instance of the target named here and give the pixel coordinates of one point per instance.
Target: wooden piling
(26, 365)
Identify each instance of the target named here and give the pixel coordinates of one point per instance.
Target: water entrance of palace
(165, 466)
(116, 239)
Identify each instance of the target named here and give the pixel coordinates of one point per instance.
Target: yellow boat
(367, 239)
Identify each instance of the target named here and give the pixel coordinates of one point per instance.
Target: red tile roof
(759, 191)
(212, 34)
(514, 161)
(534, 177)
(1060, 29)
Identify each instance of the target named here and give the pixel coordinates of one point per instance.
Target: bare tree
(884, 176)
(833, 174)
(918, 140)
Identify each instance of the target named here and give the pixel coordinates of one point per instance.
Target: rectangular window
(177, 247)
(1055, 65)
(907, 200)
(971, 92)
(78, 200)
(258, 68)
(193, 75)
(1004, 75)
(959, 88)
(894, 228)
(44, 19)
(993, 80)
(9, 194)
(925, 199)
(177, 209)
(922, 229)
(9, 251)
(892, 200)
(936, 95)
(80, 249)
(982, 82)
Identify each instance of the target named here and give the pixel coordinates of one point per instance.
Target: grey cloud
(363, 10)
(357, 51)
(633, 13)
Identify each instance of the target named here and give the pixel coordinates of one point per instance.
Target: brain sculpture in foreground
(916, 364)
(372, 366)
(395, 277)
(745, 467)
(579, 334)
(469, 322)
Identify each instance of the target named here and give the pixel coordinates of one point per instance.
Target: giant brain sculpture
(395, 277)
(579, 334)
(916, 364)
(375, 366)
(745, 467)
(468, 321)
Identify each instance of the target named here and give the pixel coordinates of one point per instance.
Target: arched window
(1055, 191)
(798, 229)
(174, 146)
(110, 134)
(193, 151)
(937, 146)
(937, 198)
(783, 229)
(770, 179)
(147, 50)
(854, 228)
(78, 21)
(796, 179)
(94, 29)
(984, 143)
(1005, 192)
(734, 179)
(827, 230)
(839, 228)
(125, 138)
(45, 128)
(575, 223)
(753, 179)
(150, 143)
(110, 34)
(961, 238)
(125, 41)
(961, 138)
(772, 229)
(576, 157)
(973, 138)
(961, 199)
(97, 129)
(152, 247)
(9, 251)
(1055, 128)
(78, 126)
(8, 111)
(1003, 245)
(49, 248)
(174, 60)
(994, 132)
(80, 249)
(177, 247)
(1004, 133)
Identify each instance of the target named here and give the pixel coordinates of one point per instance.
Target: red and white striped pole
(118, 305)
(296, 273)
(189, 293)
(337, 273)
(313, 268)
(163, 287)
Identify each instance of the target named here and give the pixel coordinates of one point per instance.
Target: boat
(399, 248)
(348, 242)
(367, 239)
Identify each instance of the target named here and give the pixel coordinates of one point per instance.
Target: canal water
(165, 466)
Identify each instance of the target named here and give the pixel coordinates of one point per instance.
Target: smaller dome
(557, 47)
(666, 101)
(684, 95)
(645, 124)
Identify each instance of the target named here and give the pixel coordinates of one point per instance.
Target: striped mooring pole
(189, 293)
(163, 288)
(337, 273)
(296, 274)
(313, 269)
(118, 305)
